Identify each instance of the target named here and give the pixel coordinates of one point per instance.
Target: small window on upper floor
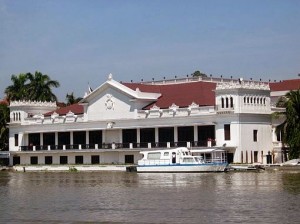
(255, 135)
(227, 132)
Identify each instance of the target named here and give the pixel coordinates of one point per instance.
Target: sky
(79, 42)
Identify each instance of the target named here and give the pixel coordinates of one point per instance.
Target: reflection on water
(119, 197)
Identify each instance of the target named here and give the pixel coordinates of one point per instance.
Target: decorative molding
(242, 85)
(32, 103)
(109, 103)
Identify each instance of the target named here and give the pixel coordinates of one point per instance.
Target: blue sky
(80, 42)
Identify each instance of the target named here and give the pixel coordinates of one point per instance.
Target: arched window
(254, 100)
(14, 116)
(231, 102)
(264, 101)
(248, 99)
(244, 99)
(260, 100)
(19, 116)
(226, 102)
(222, 102)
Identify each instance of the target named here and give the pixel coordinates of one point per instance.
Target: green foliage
(34, 87)
(198, 73)
(72, 169)
(4, 119)
(71, 99)
(291, 126)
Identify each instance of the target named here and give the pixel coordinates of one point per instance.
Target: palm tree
(4, 119)
(39, 87)
(18, 90)
(71, 99)
(291, 126)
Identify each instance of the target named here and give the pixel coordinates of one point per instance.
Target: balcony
(113, 146)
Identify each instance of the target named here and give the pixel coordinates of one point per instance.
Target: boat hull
(180, 168)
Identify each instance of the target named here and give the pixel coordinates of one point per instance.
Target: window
(166, 153)
(129, 159)
(95, 159)
(227, 132)
(79, 159)
(16, 140)
(33, 160)
(153, 155)
(63, 159)
(48, 160)
(222, 102)
(255, 135)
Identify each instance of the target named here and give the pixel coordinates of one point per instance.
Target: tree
(4, 119)
(39, 87)
(291, 126)
(18, 90)
(71, 99)
(198, 73)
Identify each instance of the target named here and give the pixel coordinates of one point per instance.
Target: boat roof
(207, 150)
(167, 150)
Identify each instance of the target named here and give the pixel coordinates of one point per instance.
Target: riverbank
(124, 168)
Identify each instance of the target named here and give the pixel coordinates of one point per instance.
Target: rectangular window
(227, 132)
(48, 160)
(95, 159)
(16, 140)
(33, 160)
(63, 159)
(153, 155)
(255, 135)
(79, 159)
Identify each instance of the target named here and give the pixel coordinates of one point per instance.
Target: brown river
(120, 197)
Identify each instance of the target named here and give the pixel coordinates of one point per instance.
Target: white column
(41, 139)
(138, 135)
(56, 138)
(71, 138)
(156, 135)
(195, 133)
(175, 134)
(87, 137)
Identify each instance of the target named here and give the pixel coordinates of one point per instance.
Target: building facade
(113, 123)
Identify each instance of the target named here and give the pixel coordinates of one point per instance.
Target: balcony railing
(112, 146)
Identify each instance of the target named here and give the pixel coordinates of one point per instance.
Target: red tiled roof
(4, 101)
(75, 108)
(285, 85)
(183, 94)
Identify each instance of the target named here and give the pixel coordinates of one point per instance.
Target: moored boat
(182, 160)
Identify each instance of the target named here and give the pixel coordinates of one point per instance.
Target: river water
(120, 197)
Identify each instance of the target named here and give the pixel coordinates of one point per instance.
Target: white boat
(182, 160)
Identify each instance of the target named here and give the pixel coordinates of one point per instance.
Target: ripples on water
(119, 197)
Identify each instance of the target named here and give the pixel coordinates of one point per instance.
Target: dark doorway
(128, 136)
(79, 138)
(16, 160)
(95, 137)
(185, 134)
(63, 138)
(165, 135)
(147, 136)
(34, 139)
(205, 133)
(48, 138)
(230, 157)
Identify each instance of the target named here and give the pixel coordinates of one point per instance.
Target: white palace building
(114, 122)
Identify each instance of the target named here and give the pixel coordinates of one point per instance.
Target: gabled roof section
(74, 108)
(181, 94)
(134, 93)
(285, 85)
